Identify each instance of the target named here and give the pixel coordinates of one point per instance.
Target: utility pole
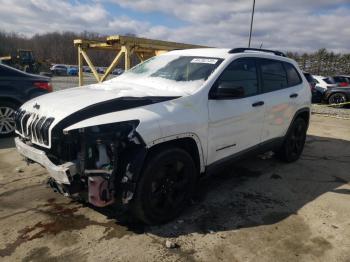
(251, 24)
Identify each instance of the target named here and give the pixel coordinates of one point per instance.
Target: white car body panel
(233, 126)
(321, 85)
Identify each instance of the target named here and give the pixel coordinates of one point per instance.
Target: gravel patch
(325, 110)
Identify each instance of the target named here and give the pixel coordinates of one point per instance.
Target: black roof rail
(243, 49)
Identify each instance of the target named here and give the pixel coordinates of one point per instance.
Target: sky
(287, 25)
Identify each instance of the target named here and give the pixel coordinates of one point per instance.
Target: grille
(33, 127)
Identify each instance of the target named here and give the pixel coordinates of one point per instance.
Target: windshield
(170, 70)
(329, 80)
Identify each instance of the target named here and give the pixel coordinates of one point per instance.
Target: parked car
(100, 70)
(317, 95)
(347, 77)
(59, 70)
(72, 71)
(117, 71)
(337, 95)
(341, 81)
(153, 131)
(86, 69)
(324, 83)
(17, 87)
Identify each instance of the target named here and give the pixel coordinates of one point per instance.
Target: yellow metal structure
(126, 46)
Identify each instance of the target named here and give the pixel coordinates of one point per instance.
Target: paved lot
(64, 82)
(257, 210)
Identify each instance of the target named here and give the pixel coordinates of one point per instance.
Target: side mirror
(227, 91)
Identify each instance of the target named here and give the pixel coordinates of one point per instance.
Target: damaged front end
(103, 162)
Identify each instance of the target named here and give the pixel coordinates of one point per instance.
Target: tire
(166, 184)
(294, 142)
(337, 98)
(7, 123)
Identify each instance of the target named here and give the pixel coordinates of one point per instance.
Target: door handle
(260, 103)
(293, 95)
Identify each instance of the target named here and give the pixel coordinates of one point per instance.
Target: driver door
(236, 110)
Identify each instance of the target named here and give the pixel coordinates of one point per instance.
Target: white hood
(63, 103)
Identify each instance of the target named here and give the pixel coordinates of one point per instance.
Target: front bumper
(61, 173)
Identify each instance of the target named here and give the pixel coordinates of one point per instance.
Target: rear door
(235, 124)
(282, 89)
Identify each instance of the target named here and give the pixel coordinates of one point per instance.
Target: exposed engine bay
(106, 160)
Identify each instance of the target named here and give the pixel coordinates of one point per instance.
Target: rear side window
(273, 74)
(309, 78)
(293, 77)
(329, 80)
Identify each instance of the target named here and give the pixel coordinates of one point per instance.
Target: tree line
(57, 47)
(323, 62)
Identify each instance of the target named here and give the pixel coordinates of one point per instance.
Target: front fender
(179, 136)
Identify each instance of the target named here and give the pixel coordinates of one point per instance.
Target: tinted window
(274, 76)
(309, 78)
(340, 79)
(329, 80)
(240, 74)
(293, 77)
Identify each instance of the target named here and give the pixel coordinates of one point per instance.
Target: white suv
(144, 138)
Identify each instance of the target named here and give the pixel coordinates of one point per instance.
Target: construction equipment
(24, 60)
(124, 46)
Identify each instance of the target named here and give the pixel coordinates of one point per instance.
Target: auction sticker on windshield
(204, 60)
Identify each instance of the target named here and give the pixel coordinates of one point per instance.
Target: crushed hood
(63, 103)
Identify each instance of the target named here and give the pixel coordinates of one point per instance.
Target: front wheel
(7, 121)
(166, 183)
(294, 142)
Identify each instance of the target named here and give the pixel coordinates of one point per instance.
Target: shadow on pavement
(256, 191)
(7, 142)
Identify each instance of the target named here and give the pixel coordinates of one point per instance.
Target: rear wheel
(166, 184)
(294, 142)
(7, 121)
(337, 98)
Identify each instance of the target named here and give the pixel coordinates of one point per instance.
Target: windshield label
(204, 61)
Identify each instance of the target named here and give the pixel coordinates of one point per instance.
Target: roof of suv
(206, 52)
(226, 52)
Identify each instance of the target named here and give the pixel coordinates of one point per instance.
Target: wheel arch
(304, 113)
(347, 95)
(10, 100)
(188, 142)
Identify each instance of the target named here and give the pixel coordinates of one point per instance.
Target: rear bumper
(61, 173)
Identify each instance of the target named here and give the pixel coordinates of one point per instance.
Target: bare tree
(57, 47)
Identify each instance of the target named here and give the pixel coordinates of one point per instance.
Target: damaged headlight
(100, 144)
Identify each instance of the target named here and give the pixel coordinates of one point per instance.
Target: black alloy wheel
(294, 142)
(166, 184)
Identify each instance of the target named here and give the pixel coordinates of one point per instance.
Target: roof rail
(243, 49)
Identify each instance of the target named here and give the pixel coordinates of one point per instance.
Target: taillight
(343, 84)
(44, 85)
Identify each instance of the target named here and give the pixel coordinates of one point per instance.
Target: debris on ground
(275, 176)
(169, 244)
(19, 170)
(266, 155)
